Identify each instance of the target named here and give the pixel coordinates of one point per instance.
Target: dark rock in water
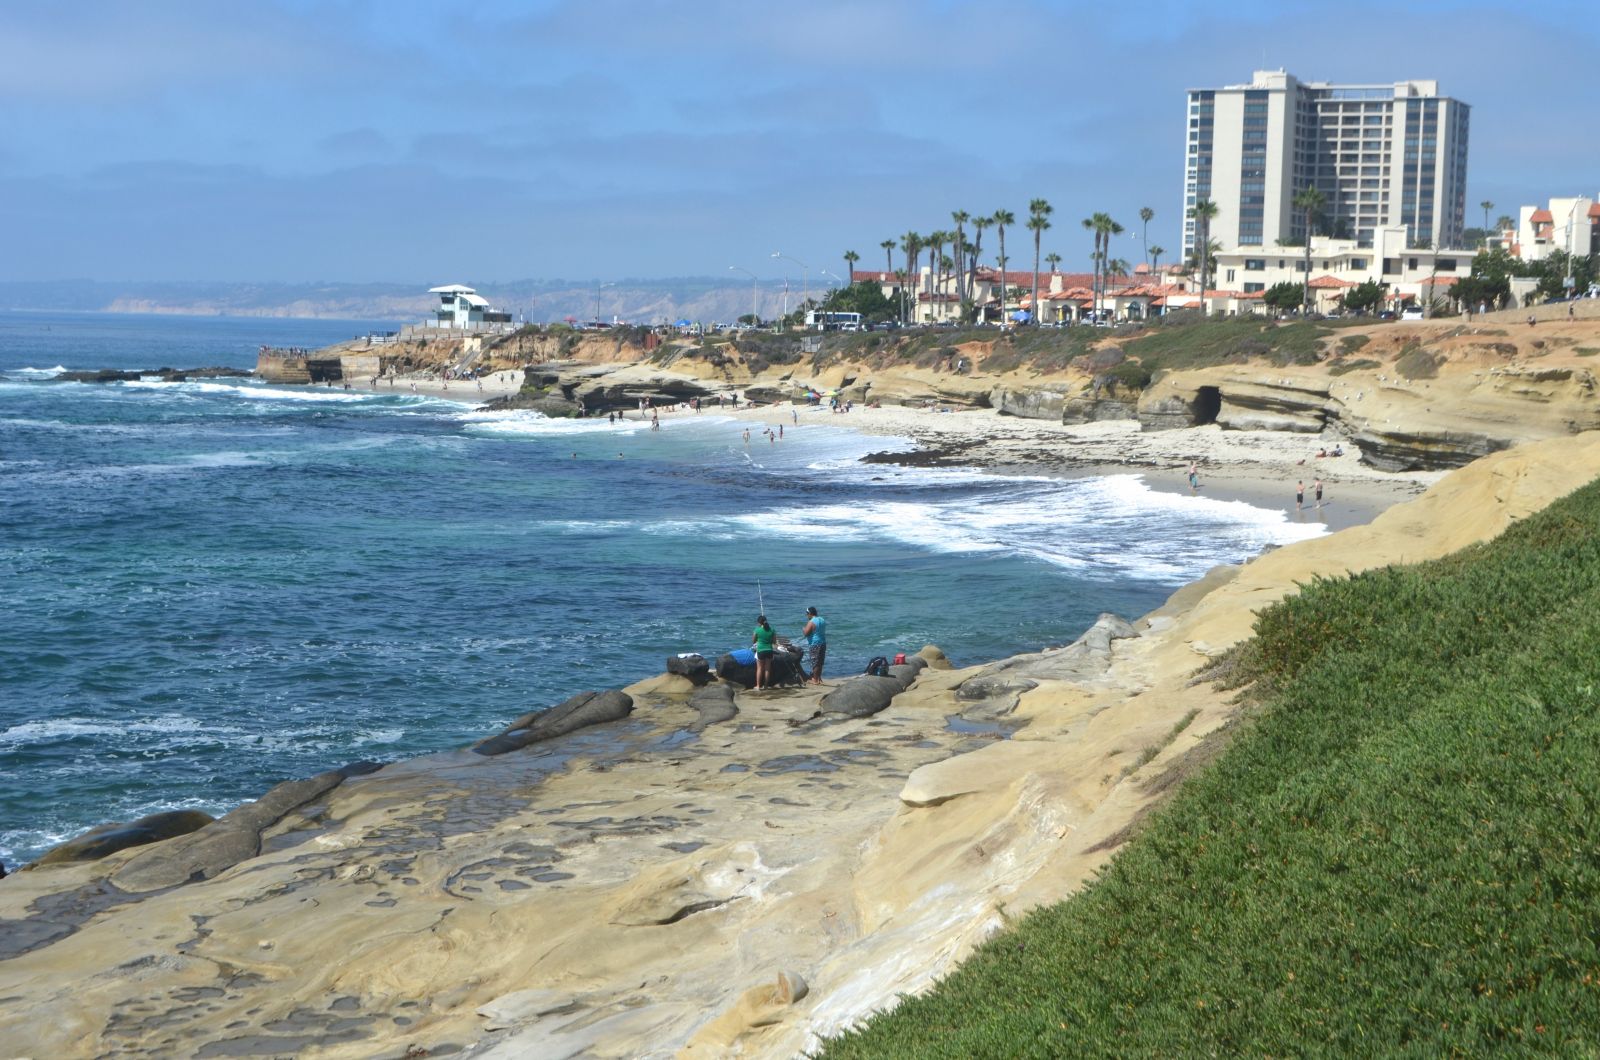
(96, 843)
(861, 696)
(170, 375)
(786, 669)
(579, 712)
(232, 838)
(694, 667)
(714, 704)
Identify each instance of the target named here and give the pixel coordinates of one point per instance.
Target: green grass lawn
(1397, 855)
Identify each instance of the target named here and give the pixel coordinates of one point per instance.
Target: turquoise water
(214, 586)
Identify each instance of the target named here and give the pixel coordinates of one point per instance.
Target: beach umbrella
(1020, 316)
(681, 324)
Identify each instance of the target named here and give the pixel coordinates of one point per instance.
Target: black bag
(878, 667)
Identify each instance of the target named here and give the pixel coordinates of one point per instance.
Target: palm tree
(936, 242)
(1053, 260)
(1103, 228)
(888, 255)
(1203, 212)
(959, 245)
(1155, 257)
(1002, 218)
(850, 259)
(1311, 200)
(1487, 206)
(1145, 214)
(1039, 211)
(978, 225)
(911, 244)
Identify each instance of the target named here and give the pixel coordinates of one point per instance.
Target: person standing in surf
(816, 634)
(765, 641)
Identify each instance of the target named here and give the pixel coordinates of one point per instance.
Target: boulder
(935, 657)
(861, 696)
(579, 712)
(786, 668)
(694, 667)
(232, 838)
(1089, 408)
(714, 703)
(106, 839)
(907, 672)
(1028, 403)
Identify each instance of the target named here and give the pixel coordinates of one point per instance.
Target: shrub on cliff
(1395, 856)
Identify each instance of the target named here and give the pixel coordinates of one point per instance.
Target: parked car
(1411, 314)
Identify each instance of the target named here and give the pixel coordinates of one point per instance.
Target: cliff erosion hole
(1207, 403)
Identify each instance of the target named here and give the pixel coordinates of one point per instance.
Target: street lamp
(755, 318)
(805, 272)
(598, 288)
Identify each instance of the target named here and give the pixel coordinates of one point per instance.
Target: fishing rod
(761, 598)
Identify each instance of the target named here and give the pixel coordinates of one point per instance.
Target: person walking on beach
(1299, 494)
(764, 640)
(1316, 487)
(816, 634)
(1194, 476)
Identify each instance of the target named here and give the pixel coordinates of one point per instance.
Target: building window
(1255, 264)
(1252, 288)
(1447, 264)
(1358, 263)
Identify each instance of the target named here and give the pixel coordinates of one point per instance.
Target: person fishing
(765, 641)
(816, 634)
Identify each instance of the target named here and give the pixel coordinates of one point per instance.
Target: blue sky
(397, 141)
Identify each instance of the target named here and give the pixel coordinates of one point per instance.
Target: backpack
(878, 667)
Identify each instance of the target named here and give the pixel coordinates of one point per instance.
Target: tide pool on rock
(218, 585)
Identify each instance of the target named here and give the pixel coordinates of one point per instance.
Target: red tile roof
(1327, 283)
(1594, 211)
(1541, 217)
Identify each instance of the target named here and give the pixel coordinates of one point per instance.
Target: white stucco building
(1408, 273)
(463, 308)
(1571, 225)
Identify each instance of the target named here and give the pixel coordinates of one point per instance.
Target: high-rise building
(1382, 155)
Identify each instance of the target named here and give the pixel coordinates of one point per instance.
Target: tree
(1505, 222)
(1145, 214)
(960, 217)
(1487, 206)
(1203, 212)
(1039, 212)
(1155, 258)
(978, 225)
(911, 245)
(1311, 200)
(1103, 227)
(1473, 291)
(1363, 296)
(1053, 260)
(850, 259)
(1284, 296)
(865, 298)
(1002, 218)
(888, 255)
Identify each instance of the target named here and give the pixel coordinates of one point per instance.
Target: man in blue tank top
(816, 634)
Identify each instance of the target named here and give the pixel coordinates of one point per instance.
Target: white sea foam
(36, 373)
(53, 729)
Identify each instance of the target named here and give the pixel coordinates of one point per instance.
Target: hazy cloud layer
(364, 140)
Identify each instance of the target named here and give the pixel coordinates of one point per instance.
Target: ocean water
(213, 586)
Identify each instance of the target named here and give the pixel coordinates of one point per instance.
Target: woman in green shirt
(765, 641)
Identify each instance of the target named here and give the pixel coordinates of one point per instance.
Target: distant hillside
(639, 301)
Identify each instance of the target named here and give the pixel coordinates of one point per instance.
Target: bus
(827, 320)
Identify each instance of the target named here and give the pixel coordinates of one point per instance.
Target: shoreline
(1259, 468)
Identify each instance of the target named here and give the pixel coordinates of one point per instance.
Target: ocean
(214, 586)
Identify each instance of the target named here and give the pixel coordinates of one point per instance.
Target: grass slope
(1399, 854)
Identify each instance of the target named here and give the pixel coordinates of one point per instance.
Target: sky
(398, 141)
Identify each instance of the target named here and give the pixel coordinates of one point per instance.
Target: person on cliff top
(816, 634)
(764, 640)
